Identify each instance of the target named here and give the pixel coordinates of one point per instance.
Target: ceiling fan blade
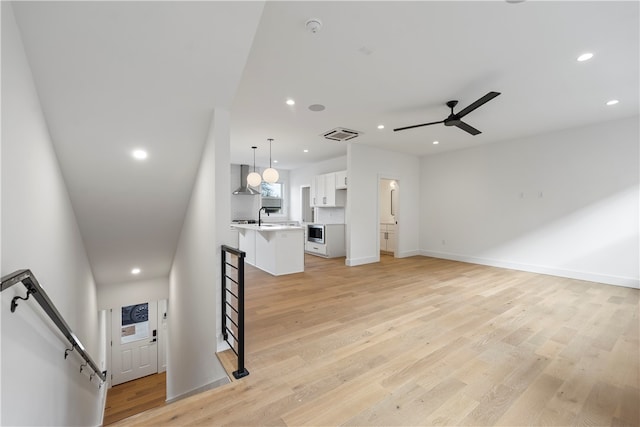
(488, 97)
(417, 126)
(467, 128)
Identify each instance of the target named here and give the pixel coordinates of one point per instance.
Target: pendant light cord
(254, 159)
(270, 141)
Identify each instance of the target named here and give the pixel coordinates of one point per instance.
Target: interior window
(272, 196)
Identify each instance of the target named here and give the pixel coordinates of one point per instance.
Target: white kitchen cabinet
(280, 252)
(315, 248)
(329, 196)
(334, 242)
(276, 249)
(388, 238)
(317, 190)
(247, 243)
(341, 180)
(324, 192)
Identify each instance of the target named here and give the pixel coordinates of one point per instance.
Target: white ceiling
(116, 76)
(423, 54)
(113, 76)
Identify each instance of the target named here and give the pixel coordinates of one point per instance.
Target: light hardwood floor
(422, 341)
(134, 397)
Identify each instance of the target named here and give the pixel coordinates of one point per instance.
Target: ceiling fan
(454, 119)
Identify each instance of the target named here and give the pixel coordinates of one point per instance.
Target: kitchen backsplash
(245, 207)
(329, 215)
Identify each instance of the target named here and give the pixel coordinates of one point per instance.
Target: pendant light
(254, 179)
(270, 175)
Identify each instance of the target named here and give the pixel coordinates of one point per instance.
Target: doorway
(388, 196)
(305, 204)
(134, 342)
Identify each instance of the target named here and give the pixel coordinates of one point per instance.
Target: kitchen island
(274, 248)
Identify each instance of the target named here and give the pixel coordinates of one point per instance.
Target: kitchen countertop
(267, 227)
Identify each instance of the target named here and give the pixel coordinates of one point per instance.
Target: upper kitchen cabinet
(341, 180)
(324, 192)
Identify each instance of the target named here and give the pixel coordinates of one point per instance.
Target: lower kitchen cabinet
(334, 243)
(247, 243)
(277, 250)
(316, 248)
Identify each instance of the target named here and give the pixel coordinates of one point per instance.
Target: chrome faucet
(259, 218)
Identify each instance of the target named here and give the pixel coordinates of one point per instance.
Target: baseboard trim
(407, 254)
(352, 262)
(211, 385)
(105, 390)
(627, 282)
(222, 345)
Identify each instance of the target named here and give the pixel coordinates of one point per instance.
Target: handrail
(30, 282)
(238, 310)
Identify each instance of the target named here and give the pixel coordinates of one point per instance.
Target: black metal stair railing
(233, 304)
(30, 282)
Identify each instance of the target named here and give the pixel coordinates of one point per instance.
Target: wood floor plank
(423, 341)
(134, 397)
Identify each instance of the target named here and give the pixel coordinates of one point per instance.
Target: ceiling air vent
(341, 134)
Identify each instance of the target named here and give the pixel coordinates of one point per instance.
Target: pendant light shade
(270, 175)
(254, 179)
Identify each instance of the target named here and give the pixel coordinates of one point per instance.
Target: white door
(134, 342)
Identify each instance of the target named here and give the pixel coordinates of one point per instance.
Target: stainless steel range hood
(244, 188)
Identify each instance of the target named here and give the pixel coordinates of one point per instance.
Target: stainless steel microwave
(316, 233)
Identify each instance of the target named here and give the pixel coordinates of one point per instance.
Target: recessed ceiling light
(306, 151)
(316, 107)
(275, 161)
(436, 142)
(139, 154)
(290, 102)
(612, 102)
(585, 56)
(380, 126)
(135, 271)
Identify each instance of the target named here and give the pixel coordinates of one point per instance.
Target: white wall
(39, 232)
(303, 176)
(564, 203)
(194, 280)
(120, 294)
(367, 165)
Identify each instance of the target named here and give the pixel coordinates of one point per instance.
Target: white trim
(217, 383)
(360, 261)
(109, 346)
(107, 385)
(628, 282)
(407, 254)
(222, 345)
